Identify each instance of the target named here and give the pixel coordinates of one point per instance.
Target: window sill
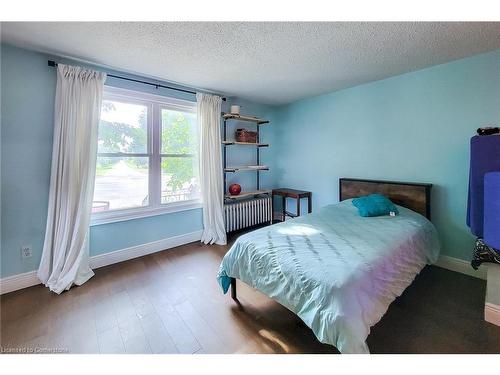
(142, 212)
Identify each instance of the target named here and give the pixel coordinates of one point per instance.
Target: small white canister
(235, 109)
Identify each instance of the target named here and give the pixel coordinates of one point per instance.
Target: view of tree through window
(126, 176)
(179, 162)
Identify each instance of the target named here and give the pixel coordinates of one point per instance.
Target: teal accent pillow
(374, 205)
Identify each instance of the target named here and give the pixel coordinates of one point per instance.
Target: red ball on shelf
(234, 189)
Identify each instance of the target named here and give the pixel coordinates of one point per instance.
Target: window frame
(154, 103)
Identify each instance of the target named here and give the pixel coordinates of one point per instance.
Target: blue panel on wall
(492, 209)
(484, 157)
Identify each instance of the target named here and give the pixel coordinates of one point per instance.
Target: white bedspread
(337, 271)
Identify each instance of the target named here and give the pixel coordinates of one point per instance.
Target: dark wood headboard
(415, 196)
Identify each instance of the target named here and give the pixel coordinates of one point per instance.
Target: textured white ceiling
(271, 63)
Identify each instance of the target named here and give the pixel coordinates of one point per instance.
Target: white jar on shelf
(235, 109)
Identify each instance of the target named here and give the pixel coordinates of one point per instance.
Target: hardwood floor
(170, 302)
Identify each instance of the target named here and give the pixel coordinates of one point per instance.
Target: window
(147, 159)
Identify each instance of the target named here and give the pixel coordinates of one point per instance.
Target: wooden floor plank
(158, 338)
(208, 338)
(180, 333)
(110, 342)
(133, 336)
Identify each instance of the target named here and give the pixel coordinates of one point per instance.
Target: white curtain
(65, 258)
(211, 177)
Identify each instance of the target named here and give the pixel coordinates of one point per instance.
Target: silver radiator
(244, 214)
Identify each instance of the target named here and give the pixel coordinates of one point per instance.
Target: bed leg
(233, 289)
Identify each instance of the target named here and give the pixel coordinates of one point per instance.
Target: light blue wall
(413, 127)
(27, 93)
(26, 115)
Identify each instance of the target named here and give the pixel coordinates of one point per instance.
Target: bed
(337, 271)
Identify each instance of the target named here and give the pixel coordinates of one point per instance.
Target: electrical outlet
(26, 252)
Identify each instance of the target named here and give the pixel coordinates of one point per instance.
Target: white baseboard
(492, 313)
(117, 256)
(492, 305)
(461, 266)
(25, 280)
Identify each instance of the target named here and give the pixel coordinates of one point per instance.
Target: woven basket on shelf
(243, 135)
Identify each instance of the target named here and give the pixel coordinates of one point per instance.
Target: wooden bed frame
(415, 196)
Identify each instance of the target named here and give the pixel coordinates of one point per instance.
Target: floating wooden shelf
(246, 168)
(228, 143)
(246, 194)
(230, 116)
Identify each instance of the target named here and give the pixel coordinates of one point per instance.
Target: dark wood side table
(295, 194)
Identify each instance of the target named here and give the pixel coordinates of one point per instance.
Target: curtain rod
(157, 85)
